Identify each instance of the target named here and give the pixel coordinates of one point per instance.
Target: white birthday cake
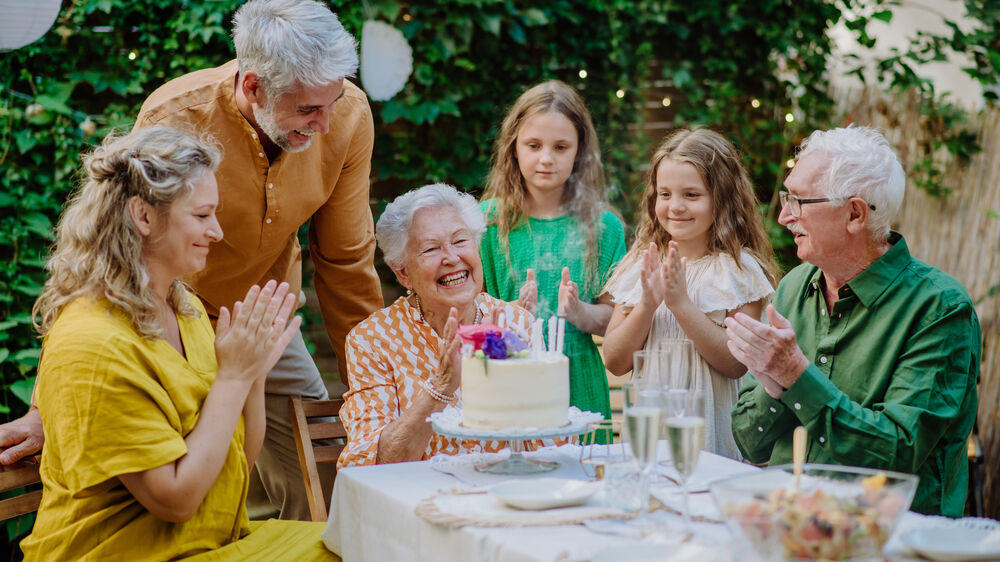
(525, 389)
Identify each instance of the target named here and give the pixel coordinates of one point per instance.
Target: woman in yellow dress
(152, 419)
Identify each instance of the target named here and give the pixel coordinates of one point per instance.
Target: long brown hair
(98, 249)
(736, 225)
(584, 195)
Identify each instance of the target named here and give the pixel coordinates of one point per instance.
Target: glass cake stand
(449, 423)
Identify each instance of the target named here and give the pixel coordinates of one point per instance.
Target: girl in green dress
(551, 240)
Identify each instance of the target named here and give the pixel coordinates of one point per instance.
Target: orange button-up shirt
(263, 204)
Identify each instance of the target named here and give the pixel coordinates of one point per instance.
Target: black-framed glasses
(795, 202)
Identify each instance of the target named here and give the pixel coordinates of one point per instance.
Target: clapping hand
(250, 341)
(569, 297)
(769, 352)
(673, 277)
(449, 371)
(651, 277)
(528, 296)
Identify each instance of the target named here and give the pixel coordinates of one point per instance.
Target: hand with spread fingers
(528, 295)
(250, 341)
(769, 352)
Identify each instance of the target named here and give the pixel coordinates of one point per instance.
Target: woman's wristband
(437, 395)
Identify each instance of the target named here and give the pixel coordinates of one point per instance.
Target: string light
(666, 102)
(755, 103)
(583, 73)
(789, 117)
(407, 17)
(620, 93)
(132, 55)
(790, 163)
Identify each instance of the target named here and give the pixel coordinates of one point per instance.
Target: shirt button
(822, 439)
(760, 429)
(797, 406)
(270, 186)
(823, 360)
(254, 135)
(773, 410)
(822, 312)
(268, 221)
(839, 315)
(261, 154)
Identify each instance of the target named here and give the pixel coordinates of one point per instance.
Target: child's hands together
(528, 296)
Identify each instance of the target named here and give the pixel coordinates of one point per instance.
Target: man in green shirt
(874, 352)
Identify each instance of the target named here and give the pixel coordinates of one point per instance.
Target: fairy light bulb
(755, 103)
(583, 73)
(666, 102)
(620, 93)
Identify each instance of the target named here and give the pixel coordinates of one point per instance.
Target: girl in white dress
(700, 254)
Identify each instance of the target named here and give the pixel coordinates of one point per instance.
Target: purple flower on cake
(494, 346)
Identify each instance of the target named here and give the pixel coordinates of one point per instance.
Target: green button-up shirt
(892, 383)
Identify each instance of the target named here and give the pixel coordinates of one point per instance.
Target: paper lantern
(24, 21)
(386, 60)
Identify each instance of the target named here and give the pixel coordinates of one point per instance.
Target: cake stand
(449, 423)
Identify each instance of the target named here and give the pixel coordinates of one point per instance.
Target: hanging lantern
(25, 21)
(386, 60)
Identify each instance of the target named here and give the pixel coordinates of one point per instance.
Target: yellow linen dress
(114, 403)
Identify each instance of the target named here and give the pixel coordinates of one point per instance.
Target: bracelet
(439, 396)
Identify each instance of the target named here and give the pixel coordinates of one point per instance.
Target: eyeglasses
(795, 202)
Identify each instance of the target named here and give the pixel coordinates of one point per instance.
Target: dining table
(441, 510)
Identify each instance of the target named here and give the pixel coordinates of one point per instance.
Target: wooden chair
(974, 499)
(311, 422)
(18, 475)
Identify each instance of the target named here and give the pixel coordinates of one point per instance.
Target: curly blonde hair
(98, 249)
(584, 195)
(736, 225)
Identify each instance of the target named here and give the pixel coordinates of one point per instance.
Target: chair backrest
(18, 475)
(311, 421)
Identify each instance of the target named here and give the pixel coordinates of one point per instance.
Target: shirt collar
(875, 279)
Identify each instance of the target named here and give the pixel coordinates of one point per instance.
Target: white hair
(860, 164)
(291, 42)
(393, 228)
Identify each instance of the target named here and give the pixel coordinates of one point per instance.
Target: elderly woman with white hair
(404, 361)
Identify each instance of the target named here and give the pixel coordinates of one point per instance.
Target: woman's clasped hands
(250, 341)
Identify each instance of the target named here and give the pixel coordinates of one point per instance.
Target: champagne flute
(642, 426)
(668, 367)
(686, 429)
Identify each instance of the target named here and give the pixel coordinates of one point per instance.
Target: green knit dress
(546, 246)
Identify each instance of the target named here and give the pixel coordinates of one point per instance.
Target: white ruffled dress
(716, 285)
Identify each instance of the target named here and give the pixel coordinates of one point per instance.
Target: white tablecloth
(372, 518)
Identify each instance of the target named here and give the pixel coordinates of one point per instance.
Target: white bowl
(544, 493)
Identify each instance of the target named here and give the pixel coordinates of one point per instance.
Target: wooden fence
(959, 234)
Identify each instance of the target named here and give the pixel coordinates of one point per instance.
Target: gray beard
(269, 126)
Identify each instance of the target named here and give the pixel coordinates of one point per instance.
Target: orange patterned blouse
(390, 355)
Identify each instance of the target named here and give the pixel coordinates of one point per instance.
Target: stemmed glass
(685, 423)
(667, 368)
(642, 426)
(598, 448)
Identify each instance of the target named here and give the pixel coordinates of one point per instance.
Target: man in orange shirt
(297, 143)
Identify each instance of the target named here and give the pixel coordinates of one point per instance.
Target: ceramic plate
(544, 493)
(953, 544)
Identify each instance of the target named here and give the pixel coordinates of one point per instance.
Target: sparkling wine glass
(642, 427)
(685, 425)
(668, 368)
